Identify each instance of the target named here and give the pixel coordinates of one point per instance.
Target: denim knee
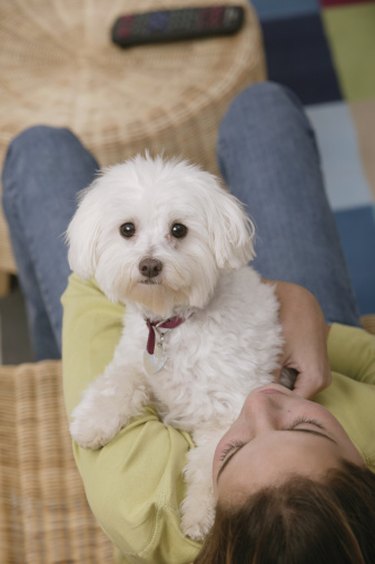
(36, 140)
(41, 134)
(26, 150)
(267, 109)
(261, 99)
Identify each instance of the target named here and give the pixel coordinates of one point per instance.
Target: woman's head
(299, 521)
(291, 487)
(277, 434)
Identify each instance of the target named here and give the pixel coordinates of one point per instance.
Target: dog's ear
(231, 231)
(83, 233)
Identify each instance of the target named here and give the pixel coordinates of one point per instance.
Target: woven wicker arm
(44, 515)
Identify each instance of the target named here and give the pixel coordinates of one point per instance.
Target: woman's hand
(305, 333)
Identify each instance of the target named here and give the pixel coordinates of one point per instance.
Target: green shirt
(134, 484)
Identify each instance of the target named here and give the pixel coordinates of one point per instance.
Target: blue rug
(325, 52)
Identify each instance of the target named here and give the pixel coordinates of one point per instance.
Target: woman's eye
(179, 230)
(127, 229)
(229, 448)
(306, 421)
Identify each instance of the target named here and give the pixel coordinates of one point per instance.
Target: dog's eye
(127, 229)
(178, 230)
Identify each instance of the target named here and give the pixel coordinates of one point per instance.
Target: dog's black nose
(150, 267)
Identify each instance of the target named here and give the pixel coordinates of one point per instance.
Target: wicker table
(59, 67)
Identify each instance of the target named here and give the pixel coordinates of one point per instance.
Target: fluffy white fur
(231, 339)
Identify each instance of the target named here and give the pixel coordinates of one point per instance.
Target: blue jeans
(268, 157)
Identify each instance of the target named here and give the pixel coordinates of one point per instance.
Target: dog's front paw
(198, 516)
(94, 428)
(92, 435)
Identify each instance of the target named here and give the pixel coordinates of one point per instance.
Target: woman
(291, 484)
(134, 484)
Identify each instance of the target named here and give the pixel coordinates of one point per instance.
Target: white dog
(200, 328)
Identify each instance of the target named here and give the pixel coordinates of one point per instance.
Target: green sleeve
(351, 396)
(351, 352)
(134, 484)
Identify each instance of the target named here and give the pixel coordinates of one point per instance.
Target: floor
(14, 339)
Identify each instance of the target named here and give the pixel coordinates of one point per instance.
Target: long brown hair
(301, 521)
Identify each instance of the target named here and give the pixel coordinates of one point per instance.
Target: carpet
(325, 52)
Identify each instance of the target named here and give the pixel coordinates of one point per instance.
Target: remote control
(176, 25)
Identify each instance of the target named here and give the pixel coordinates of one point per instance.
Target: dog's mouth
(150, 282)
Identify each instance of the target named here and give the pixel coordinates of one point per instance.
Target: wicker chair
(44, 516)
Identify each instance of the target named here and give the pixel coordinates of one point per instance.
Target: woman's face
(276, 434)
